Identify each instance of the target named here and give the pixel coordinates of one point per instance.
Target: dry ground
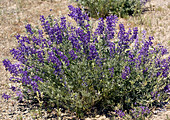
(15, 14)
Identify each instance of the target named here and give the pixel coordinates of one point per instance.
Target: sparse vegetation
(103, 8)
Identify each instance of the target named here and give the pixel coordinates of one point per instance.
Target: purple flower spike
(77, 15)
(111, 24)
(29, 29)
(100, 28)
(13, 88)
(5, 96)
(167, 88)
(92, 53)
(12, 68)
(63, 23)
(17, 37)
(126, 72)
(73, 55)
(120, 113)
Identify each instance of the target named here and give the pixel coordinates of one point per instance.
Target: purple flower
(124, 40)
(5, 96)
(65, 59)
(92, 53)
(163, 50)
(52, 58)
(120, 113)
(13, 88)
(54, 31)
(125, 72)
(40, 55)
(121, 32)
(57, 63)
(144, 51)
(37, 41)
(78, 16)
(111, 24)
(20, 53)
(73, 55)
(26, 80)
(131, 56)
(62, 56)
(144, 110)
(167, 88)
(169, 59)
(23, 41)
(163, 66)
(29, 29)
(40, 32)
(12, 68)
(63, 23)
(34, 86)
(75, 42)
(135, 33)
(100, 28)
(140, 111)
(83, 37)
(37, 78)
(99, 61)
(17, 37)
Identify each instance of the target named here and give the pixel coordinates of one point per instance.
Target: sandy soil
(15, 14)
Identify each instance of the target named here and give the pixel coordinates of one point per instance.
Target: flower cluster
(92, 53)
(73, 55)
(114, 68)
(120, 113)
(126, 72)
(167, 88)
(29, 29)
(100, 28)
(5, 96)
(110, 28)
(140, 111)
(12, 68)
(78, 16)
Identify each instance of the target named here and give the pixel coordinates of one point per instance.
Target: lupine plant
(102, 8)
(72, 67)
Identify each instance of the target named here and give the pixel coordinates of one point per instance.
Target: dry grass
(15, 14)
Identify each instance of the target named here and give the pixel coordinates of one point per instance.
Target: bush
(71, 67)
(102, 8)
